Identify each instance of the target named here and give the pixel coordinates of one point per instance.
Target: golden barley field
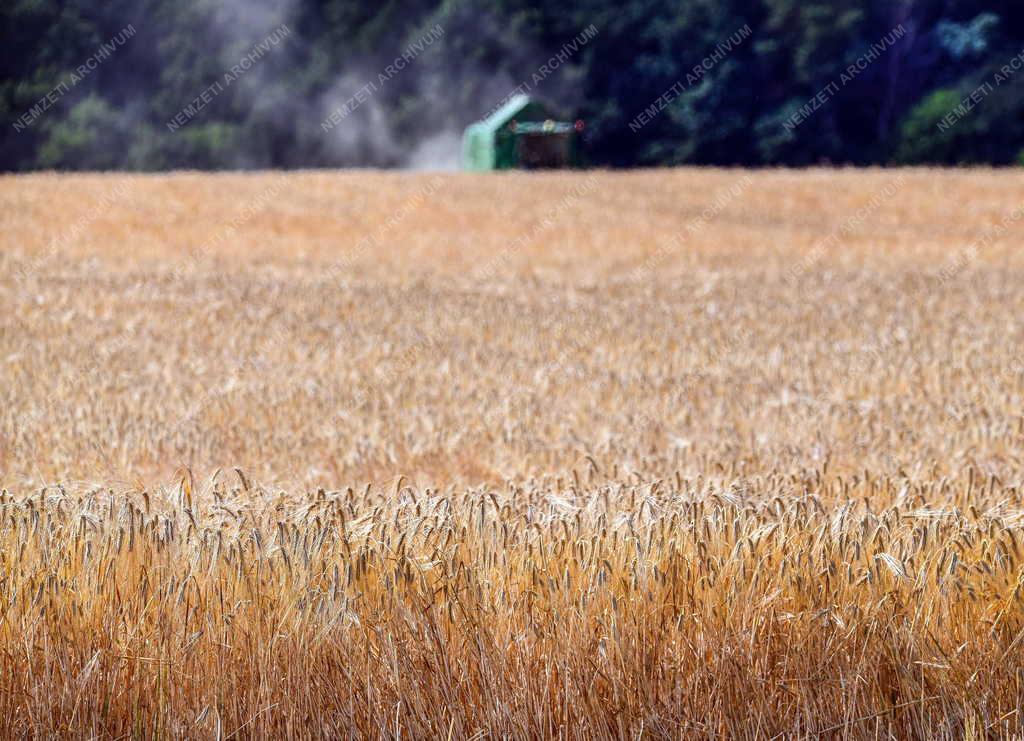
(658, 454)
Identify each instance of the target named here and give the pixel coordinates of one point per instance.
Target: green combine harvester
(521, 134)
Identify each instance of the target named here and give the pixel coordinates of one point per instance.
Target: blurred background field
(329, 328)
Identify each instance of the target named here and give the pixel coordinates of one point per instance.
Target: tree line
(164, 84)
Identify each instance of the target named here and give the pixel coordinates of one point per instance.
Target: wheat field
(670, 454)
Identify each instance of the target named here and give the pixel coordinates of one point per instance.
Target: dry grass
(747, 482)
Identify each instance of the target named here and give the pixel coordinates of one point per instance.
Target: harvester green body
(520, 134)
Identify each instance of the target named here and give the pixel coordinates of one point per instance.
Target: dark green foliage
(737, 111)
